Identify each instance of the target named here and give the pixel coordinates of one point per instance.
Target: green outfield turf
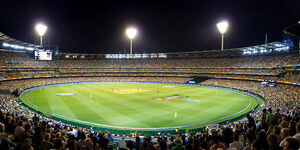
(140, 105)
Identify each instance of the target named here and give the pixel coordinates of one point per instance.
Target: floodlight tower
(131, 32)
(41, 30)
(222, 26)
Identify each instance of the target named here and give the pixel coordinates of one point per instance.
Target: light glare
(131, 32)
(222, 26)
(41, 29)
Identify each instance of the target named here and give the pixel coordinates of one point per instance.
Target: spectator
(37, 137)
(58, 144)
(138, 142)
(261, 141)
(284, 134)
(163, 145)
(270, 117)
(46, 144)
(4, 142)
(249, 140)
(291, 144)
(110, 138)
(81, 141)
(236, 143)
(103, 141)
(19, 131)
(178, 144)
(276, 131)
(272, 141)
(277, 115)
(251, 122)
(130, 145)
(297, 135)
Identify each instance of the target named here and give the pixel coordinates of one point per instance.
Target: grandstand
(270, 71)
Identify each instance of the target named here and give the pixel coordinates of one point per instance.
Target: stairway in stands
(56, 67)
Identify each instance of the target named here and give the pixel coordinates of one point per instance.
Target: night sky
(163, 26)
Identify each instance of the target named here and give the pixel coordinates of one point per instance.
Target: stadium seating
(18, 71)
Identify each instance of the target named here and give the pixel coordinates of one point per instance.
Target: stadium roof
(263, 49)
(10, 40)
(293, 29)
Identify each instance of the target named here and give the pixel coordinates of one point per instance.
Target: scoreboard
(43, 55)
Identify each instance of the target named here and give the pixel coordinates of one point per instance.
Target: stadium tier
(195, 94)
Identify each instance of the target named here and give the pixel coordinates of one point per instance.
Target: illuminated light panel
(131, 32)
(41, 29)
(222, 26)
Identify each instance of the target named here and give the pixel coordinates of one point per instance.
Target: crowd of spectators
(27, 74)
(24, 84)
(154, 66)
(177, 71)
(257, 61)
(261, 78)
(21, 129)
(292, 77)
(21, 59)
(284, 97)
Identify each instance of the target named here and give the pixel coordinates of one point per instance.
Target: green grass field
(140, 105)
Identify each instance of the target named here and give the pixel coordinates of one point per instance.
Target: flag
(175, 115)
(91, 96)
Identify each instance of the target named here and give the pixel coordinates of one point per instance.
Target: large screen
(192, 82)
(129, 56)
(43, 55)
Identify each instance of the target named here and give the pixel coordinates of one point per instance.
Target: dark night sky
(163, 26)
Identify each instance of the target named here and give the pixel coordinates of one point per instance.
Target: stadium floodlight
(131, 32)
(41, 30)
(222, 26)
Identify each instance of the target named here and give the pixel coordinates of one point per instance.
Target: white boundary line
(102, 125)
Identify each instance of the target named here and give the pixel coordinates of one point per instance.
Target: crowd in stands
(188, 71)
(78, 63)
(28, 74)
(267, 78)
(21, 59)
(24, 84)
(257, 61)
(282, 96)
(153, 66)
(292, 77)
(11, 75)
(21, 129)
